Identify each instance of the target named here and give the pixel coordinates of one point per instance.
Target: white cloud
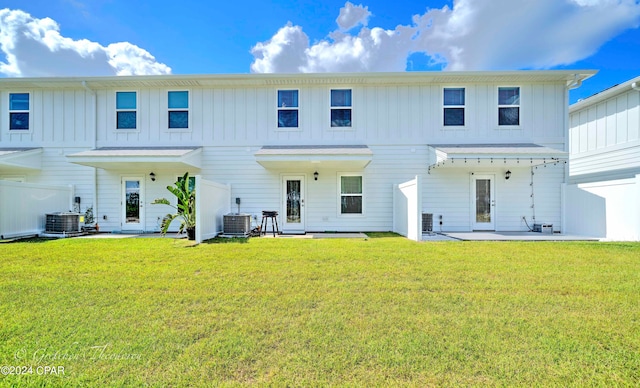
(473, 35)
(352, 15)
(284, 53)
(35, 48)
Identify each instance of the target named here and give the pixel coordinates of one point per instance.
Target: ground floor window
(351, 194)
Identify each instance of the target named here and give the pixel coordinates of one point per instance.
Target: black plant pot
(191, 233)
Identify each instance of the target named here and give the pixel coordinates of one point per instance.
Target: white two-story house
(324, 150)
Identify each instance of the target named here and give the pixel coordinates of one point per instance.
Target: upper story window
(126, 103)
(351, 194)
(453, 100)
(19, 111)
(341, 107)
(287, 108)
(508, 106)
(178, 109)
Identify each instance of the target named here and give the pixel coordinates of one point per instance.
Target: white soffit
(314, 157)
(453, 155)
(265, 80)
(21, 158)
(143, 157)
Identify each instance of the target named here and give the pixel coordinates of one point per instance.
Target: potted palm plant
(185, 209)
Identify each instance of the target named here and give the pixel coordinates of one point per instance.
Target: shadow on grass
(29, 239)
(383, 234)
(227, 240)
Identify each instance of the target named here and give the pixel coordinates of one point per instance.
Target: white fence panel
(407, 205)
(609, 209)
(213, 201)
(23, 206)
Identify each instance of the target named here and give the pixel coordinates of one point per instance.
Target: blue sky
(106, 37)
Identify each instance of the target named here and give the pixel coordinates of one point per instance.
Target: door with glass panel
(293, 204)
(132, 203)
(483, 202)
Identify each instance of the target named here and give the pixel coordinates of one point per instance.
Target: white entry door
(293, 204)
(483, 202)
(133, 203)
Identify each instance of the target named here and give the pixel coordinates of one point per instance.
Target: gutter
(635, 86)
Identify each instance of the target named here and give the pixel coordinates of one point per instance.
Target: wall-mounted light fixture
(315, 176)
(153, 177)
(507, 174)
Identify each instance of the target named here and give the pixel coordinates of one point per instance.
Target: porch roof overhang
(522, 154)
(314, 157)
(110, 158)
(21, 158)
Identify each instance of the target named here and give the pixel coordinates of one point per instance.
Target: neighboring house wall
(605, 135)
(397, 116)
(605, 163)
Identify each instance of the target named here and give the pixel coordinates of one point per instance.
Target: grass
(290, 312)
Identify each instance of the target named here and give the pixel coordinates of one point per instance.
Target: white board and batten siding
(388, 114)
(605, 136)
(57, 118)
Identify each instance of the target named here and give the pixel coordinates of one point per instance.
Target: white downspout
(574, 84)
(95, 144)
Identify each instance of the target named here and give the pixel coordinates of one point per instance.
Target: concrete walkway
(133, 235)
(448, 236)
(268, 235)
(317, 235)
(506, 236)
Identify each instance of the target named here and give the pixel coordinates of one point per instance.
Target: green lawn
(302, 312)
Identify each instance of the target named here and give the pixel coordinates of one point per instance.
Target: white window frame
(350, 107)
(115, 96)
(27, 111)
(187, 109)
(340, 195)
(463, 107)
(280, 108)
(519, 106)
